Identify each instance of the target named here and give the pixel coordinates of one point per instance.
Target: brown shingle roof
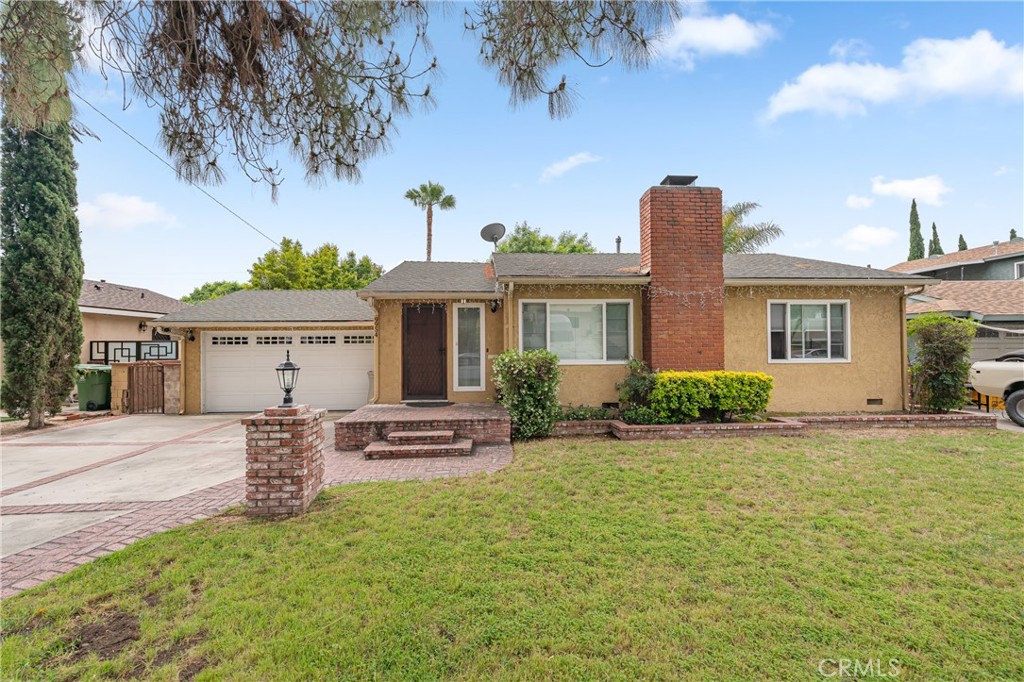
(984, 297)
(435, 277)
(566, 265)
(100, 294)
(978, 254)
(256, 305)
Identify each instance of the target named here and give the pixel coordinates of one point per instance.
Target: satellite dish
(492, 232)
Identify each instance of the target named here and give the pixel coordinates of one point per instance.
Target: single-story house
(832, 335)
(231, 345)
(997, 305)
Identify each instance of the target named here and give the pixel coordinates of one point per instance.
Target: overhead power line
(164, 162)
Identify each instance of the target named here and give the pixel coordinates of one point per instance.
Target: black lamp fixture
(143, 326)
(287, 377)
(495, 304)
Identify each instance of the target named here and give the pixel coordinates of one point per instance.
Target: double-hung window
(809, 331)
(578, 332)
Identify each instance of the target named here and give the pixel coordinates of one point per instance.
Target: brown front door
(423, 352)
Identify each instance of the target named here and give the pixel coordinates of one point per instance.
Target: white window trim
(1018, 270)
(455, 349)
(828, 331)
(604, 322)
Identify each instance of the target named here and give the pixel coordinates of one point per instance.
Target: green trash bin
(93, 387)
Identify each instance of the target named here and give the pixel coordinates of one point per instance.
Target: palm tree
(740, 238)
(427, 196)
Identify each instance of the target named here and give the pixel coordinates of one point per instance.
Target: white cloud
(560, 168)
(115, 211)
(979, 66)
(927, 190)
(698, 34)
(866, 238)
(1002, 170)
(850, 48)
(854, 201)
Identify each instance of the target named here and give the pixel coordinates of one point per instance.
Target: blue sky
(830, 115)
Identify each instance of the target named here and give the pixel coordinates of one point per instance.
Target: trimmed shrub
(940, 371)
(527, 385)
(681, 397)
(642, 416)
(635, 389)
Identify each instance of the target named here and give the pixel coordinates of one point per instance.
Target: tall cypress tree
(962, 244)
(41, 265)
(934, 245)
(916, 240)
(41, 270)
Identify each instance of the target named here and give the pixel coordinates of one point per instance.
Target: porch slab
(481, 422)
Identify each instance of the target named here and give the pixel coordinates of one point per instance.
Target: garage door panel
(239, 376)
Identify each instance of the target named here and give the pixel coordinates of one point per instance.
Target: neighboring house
(998, 305)
(122, 315)
(1002, 260)
(984, 284)
(832, 335)
(231, 345)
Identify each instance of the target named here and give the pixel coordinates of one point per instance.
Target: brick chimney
(681, 248)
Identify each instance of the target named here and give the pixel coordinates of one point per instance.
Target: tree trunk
(430, 228)
(35, 418)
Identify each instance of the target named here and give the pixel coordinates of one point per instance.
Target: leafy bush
(586, 413)
(680, 397)
(635, 389)
(527, 385)
(940, 371)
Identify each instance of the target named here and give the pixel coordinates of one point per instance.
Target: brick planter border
(582, 427)
(772, 427)
(953, 420)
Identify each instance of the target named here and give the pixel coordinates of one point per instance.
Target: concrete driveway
(113, 481)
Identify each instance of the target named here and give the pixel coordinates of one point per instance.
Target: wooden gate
(145, 388)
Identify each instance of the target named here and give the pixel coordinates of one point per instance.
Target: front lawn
(747, 559)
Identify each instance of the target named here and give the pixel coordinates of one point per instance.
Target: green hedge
(527, 385)
(680, 397)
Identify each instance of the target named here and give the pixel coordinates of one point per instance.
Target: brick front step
(420, 437)
(383, 450)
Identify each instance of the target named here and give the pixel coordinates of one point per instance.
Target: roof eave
(826, 281)
(636, 279)
(124, 312)
(476, 295)
(200, 324)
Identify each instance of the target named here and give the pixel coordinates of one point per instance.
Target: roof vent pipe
(618, 245)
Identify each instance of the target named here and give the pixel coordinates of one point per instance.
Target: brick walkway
(38, 564)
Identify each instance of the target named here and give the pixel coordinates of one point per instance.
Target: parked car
(1003, 378)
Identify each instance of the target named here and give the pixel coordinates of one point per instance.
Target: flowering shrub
(527, 385)
(680, 397)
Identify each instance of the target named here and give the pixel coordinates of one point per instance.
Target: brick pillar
(284, 460)
(681, 248)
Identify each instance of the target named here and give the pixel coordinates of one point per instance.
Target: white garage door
(239, 376)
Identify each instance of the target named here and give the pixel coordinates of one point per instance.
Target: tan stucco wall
(877, 340)
(118, 386)
(192, 359)
(96, 327)
(388, 361)
(582, 384)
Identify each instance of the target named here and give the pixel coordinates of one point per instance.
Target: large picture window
(578, 332)
(808, 331)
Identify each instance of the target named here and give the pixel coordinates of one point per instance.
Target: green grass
(704, 560)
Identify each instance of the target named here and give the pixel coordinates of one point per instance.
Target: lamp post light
(287, 377)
